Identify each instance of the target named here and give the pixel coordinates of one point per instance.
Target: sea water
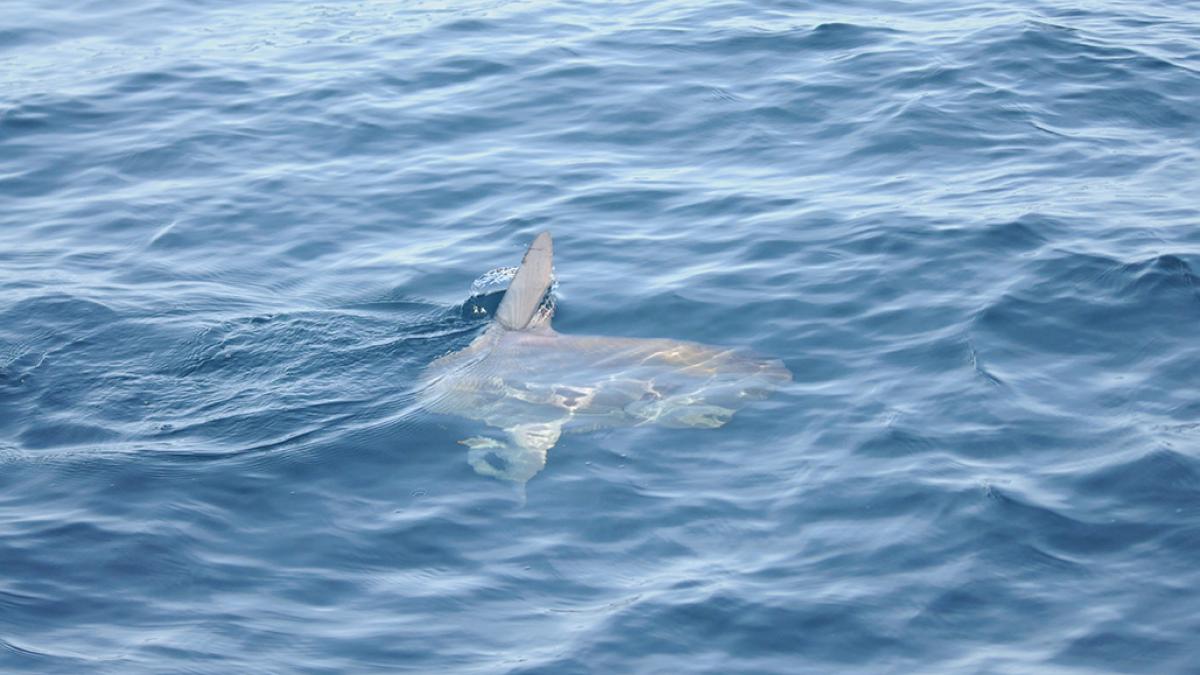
(232, 236)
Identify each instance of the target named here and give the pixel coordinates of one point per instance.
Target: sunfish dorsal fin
(529, 286)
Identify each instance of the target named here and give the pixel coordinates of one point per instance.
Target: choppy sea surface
(232, 236)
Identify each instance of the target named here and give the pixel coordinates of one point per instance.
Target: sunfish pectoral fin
(680, 415)
(528, 288)
(518, 460)
(704, 417)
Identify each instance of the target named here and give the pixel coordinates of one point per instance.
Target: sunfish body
(535, 384)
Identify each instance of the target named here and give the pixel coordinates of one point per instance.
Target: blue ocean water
(232, 235)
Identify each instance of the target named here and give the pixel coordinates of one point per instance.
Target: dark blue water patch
(1150, 652)
(23, 36)
(1159, 481)
(1107, 297)
(825, 36)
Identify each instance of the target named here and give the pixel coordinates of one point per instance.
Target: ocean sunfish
(522, 377)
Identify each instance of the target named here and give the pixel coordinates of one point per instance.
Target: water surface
(232, 236)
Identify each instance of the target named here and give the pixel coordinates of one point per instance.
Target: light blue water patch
(233, 236)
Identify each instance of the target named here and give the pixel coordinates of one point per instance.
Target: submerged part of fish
(536, 384)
